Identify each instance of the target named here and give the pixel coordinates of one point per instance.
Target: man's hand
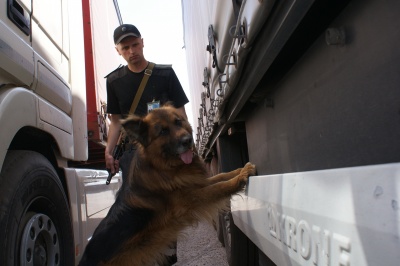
(113, 133)
(111, 164)
(114, 166)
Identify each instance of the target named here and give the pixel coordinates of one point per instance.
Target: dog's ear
(135, 129)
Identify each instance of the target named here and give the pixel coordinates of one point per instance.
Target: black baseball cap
(124, 31)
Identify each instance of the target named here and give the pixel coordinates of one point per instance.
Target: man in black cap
(123, 83)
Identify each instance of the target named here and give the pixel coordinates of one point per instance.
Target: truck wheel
(243, 251)
(225, 224)
(35, 222)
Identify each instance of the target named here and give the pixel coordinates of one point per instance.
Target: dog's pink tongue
(187, 157)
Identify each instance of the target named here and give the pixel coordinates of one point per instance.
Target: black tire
(220, 229)
(243, 251)
(225, 223)
(35, 223)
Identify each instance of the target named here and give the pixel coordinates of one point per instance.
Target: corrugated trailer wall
(339, 105)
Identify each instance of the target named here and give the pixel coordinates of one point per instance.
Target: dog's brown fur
(178, 193)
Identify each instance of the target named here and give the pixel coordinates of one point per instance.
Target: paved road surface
(199, 246)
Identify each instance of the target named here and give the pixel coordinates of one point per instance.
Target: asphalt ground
(199, 246)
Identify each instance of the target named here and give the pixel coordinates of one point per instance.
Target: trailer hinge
(211, 47)
(206, 82)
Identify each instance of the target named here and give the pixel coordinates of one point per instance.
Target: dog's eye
(164, 132)
(178, 122)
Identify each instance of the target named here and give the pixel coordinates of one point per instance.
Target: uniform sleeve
(176, 93)
(112, 101)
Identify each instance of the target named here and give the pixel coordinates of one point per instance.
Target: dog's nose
(186, 141)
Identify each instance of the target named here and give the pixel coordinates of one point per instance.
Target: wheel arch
(25, 129)
(33, 139)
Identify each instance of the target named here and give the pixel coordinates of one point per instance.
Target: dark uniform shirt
(163, 85)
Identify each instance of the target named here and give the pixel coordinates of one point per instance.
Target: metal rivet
(335, 36)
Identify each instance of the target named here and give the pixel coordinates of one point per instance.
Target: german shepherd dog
(168, 189)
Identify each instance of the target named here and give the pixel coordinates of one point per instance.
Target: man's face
(131, 49)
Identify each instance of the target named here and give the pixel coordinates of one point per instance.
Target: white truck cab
(51, 197)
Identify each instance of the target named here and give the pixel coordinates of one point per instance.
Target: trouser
(126, 159)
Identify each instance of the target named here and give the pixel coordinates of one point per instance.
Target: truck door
(50, 42)
(15, 46)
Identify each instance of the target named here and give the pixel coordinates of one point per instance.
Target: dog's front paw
(249, 169)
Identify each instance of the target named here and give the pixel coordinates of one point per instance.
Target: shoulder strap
(147, 74)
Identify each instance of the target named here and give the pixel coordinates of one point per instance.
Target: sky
(160, 24)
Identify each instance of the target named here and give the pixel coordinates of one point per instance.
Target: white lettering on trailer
(322, 246)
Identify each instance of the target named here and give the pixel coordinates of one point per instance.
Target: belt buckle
(148, 72)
